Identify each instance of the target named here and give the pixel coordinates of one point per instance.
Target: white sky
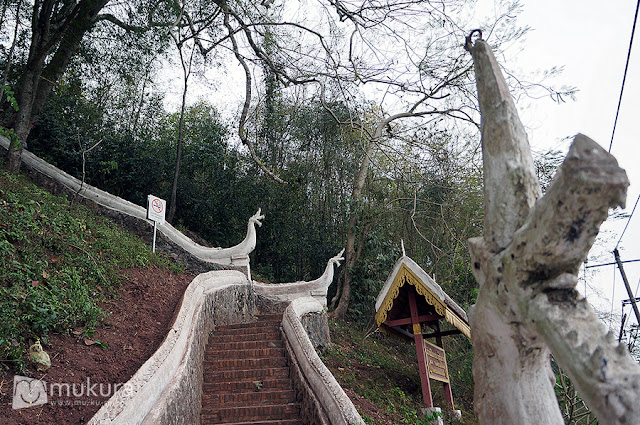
(591, 40)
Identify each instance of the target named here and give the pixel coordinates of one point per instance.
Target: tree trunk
(356, 196)
(7, 66)
(174, 187)
(38, 79)
(186, 69)
(526, 266)
(349, 262)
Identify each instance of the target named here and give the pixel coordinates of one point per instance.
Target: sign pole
(422, 361)
(446, 386)
(155, 226)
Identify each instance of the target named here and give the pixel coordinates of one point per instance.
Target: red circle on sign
(156, 205)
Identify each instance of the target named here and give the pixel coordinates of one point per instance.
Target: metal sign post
(156, 209)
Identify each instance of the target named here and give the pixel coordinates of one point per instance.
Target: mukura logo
(28, 392)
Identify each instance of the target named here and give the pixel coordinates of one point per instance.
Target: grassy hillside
(58, 261)
(380, 375)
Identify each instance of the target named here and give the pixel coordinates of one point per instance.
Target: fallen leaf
(45, 275)
(77, 332)
(35, 283)
(88, 341)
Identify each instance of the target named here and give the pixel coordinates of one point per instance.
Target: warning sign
(156, 208)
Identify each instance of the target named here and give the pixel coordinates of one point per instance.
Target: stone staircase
(246, 376)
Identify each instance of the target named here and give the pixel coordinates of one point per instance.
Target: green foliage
(305, 220)
(11, 98)
(380, 252)
(10, 133)
(57, 263)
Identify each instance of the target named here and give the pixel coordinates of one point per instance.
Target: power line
(626, 67)
(610, 264)
(628, 221)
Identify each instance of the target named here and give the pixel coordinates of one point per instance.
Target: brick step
(258, 422)
(225, 387)
(271, 316)
(271, 335)
(246, 330)
(249, 398)
(214, 355)
(242, 345)
(213, 375)
(250, 413)
(250, 325)
(245, 363)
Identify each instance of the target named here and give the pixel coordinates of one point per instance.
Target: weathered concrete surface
(510, 182)
(311, 313)
(526, 266)
(316, 325)
(315, 288)
(324, 401)
(167, 388)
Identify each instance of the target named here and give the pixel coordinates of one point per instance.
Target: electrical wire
(629, 220)
(624, 316)
(611, 264)
(626, 67)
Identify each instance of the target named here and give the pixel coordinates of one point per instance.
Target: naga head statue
(255, 219)
(336, 260)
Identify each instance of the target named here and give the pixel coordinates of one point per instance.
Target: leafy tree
(57, 30)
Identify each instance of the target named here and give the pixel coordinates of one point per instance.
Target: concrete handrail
(170, 381)
(235, 255)
(315, 288)
(336, 405)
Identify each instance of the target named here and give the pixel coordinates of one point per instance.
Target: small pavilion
(412, 305)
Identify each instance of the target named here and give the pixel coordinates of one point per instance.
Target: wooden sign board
(436, 362)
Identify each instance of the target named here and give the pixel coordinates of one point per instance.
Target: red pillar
(448, 395)
(422, 363)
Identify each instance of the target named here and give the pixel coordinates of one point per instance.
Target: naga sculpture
(316, 289)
